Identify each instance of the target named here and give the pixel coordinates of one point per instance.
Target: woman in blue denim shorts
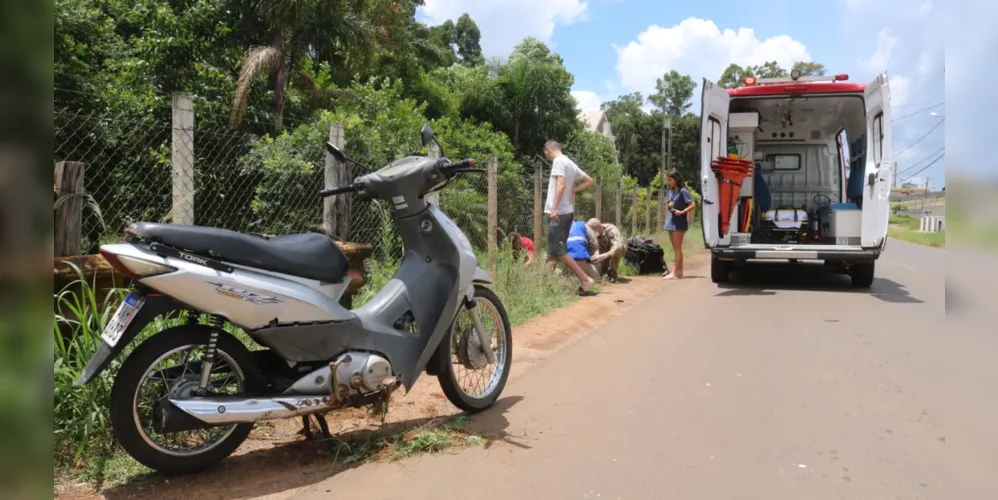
(676, 222)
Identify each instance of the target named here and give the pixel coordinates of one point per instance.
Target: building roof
(591, 118)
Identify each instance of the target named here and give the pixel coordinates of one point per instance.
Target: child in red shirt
(520, 243)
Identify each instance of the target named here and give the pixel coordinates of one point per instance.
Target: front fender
(481, 276)
(154, 307)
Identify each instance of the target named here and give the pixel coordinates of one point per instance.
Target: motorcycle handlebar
(466, 165)
(338, 190)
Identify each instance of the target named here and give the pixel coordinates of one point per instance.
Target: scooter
(186, 397)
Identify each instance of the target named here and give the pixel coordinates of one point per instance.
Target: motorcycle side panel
(249, 298)
(431, 283)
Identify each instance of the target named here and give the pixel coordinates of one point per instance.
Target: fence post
(648, 208)
(493, 174)
(69, 214)
(620, 192)
(599, 198)
(538, 209)
(336, 209)
(182, 158)
(433, 151)
(634, 211)
(661, 208)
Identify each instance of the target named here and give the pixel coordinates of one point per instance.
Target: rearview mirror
(426, 134)
(336, 152)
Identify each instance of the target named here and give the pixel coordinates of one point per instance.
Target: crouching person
(611, 248)
(582, 243)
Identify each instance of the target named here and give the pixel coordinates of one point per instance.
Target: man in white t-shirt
(560, 210)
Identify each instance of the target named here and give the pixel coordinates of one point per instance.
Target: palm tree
(338, 32)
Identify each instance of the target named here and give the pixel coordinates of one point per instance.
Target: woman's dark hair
(676, 176)
(516, 243)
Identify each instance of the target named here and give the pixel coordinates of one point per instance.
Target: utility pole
(669, 152)
(925, 194)
(666, 123)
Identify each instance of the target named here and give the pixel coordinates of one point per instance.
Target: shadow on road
(492, 424)
(297, 464)
(765, 279)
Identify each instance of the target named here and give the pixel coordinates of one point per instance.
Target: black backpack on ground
(646, 255)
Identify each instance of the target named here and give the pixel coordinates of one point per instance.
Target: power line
(933, 162)
(909, 115)
(924, 158)
(905, 150)
(917, 103)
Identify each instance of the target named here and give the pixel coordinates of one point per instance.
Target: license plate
(122, 318)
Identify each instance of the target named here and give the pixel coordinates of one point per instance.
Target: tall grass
(906, 227)
(529, 291)
(82, 432)
(81, 428)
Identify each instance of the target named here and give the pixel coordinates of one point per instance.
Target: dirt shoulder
(276, 459)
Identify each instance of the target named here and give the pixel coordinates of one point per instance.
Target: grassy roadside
(692, 242)
(391, 442)
(905, 227)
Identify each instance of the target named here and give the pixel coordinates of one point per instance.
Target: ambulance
(819, 155)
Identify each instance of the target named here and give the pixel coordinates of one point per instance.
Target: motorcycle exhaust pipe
(216, 411)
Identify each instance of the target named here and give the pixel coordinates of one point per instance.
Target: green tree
(734, 75)
(624, 114)
(468, 40)
(346, 35)
(673, 92)
(527, 96)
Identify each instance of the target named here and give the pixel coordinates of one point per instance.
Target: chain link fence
(175, 164)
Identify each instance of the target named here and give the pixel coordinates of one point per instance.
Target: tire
(720, 270)
(126, 384)
(862, 275)
(445, 366)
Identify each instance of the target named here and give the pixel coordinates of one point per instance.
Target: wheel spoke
(474, 376)
(148, 395)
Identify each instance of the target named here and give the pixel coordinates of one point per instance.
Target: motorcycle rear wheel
(461, 349)
(128, 420)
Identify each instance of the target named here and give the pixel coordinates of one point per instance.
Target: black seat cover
(307, 255)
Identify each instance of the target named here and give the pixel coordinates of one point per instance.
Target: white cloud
(881, 57)
(504, 23)
(699, 48)
(924, 8)
(587, 99)
(900, 89)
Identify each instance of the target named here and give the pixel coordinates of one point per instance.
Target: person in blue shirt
(582, 244)
(676, 222)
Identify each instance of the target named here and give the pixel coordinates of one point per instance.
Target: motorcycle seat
(307, 255)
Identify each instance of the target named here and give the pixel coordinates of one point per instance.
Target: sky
(615, 47)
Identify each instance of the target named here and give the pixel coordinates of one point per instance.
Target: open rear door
(879, 164)
(713, 143)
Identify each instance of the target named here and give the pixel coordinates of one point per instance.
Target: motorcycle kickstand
(323, 426)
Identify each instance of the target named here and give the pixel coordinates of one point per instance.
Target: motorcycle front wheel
(468, 380)
(167, 365)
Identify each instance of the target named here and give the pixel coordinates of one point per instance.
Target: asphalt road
(786, 384)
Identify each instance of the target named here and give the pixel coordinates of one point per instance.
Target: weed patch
(906, 228)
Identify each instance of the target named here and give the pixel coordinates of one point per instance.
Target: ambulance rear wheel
(720, 270)
(862, 274)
